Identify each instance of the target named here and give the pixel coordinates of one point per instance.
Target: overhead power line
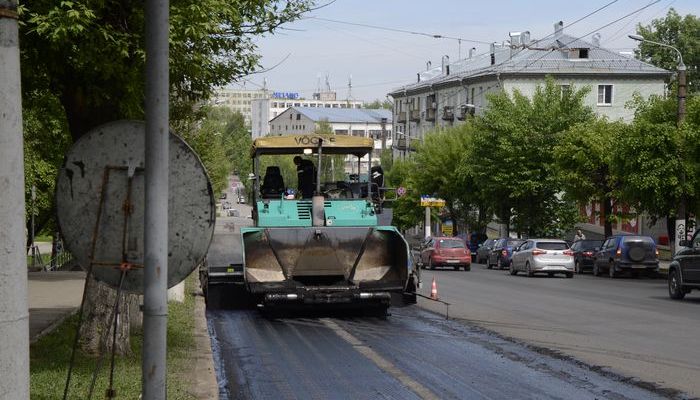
(384, 28)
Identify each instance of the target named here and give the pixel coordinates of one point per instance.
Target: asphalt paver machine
(325, 250)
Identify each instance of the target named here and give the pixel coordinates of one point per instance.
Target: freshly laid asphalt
(628, 325)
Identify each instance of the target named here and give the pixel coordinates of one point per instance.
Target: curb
(204, 385)
(53, 326)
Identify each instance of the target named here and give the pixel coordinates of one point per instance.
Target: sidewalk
(53, 297)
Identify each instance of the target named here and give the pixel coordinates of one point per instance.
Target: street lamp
(680, 228)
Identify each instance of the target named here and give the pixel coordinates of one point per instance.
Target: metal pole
(33, 247)
(318, 169)
(155, 279)
(14, 312)
(427, 222)
(681, 227)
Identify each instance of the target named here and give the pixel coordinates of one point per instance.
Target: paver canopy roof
(295, 144)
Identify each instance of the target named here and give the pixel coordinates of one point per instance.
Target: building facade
(240, 100)
(362, 122)
(265, 109)
(448, 95)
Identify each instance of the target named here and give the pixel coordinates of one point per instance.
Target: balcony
(401, 117)
(464, 111)
(401, 144)
(415, 116)
(448, 113)
(430, 114)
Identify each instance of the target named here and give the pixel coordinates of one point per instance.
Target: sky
(303, 52)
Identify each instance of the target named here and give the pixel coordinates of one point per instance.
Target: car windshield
(589, 244)
(451, 244)
(514, 243)
(552, 245)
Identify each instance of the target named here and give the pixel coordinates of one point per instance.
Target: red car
(446, 252)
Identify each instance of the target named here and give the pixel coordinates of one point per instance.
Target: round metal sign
(100, 201)
(400, 191)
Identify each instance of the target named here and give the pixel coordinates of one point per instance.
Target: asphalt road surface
(628, 325)
(413, 354)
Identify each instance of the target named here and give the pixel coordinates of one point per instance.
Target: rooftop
(351, 115)
(555, 54)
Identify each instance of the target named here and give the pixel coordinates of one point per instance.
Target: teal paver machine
(327, 249)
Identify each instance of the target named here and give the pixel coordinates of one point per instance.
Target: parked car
(684, 271)
(626, 253)
(584, 250)
(482, 254)
(499, 256)
(444, 251)
(550, 256)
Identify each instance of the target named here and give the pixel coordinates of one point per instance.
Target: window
(358, 132)
(565, 89)
(341, 131)
(605, 95)
(298, 117)
(473, 102)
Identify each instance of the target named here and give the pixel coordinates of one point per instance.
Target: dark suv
(684, 271)
(629, 253)
(500, 253)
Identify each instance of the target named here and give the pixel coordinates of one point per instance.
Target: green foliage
(511, 155)
(585, 159)
(45, 141)
(222, 143)
(681, 32)
(379, 104)
(211, 44)
(407, 211)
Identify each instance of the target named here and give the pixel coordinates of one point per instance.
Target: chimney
(493, 53)
(525, 38)
(514, 42)
(445, 65)
(428, 65)
(558, 29)
(471, 51)
(418, 77)
(596, 39)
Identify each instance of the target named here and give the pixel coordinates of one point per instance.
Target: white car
(549, 256)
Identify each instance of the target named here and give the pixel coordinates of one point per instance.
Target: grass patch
(49, 359)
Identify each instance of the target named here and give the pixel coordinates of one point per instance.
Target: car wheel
(550, 274)
(611, 270)
(511, 268)
(596, 270)
(577, 267)
(569, 275)
(430, 264)
(456, 267)
(675, 289)
(488, 263)
(529, 270)
(468, 267)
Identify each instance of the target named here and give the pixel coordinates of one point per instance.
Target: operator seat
(273, 183)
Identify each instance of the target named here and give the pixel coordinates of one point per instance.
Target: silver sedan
(548, 256)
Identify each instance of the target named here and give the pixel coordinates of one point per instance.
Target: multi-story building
(240, 100)
(266, 109)
(342, 121)
(449, 94)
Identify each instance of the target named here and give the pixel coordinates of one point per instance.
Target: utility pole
(14, 311)
(155, 276)
(680, 225)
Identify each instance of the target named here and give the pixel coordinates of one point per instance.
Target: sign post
(427, 202)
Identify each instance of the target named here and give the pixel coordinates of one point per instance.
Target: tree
(585, 157)
(512, 155)
(101, 79)
(407, 211)
(681, 32)
(89, 57)
(654, 151)
(380, 104)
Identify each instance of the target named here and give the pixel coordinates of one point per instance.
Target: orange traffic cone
(433, 290)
